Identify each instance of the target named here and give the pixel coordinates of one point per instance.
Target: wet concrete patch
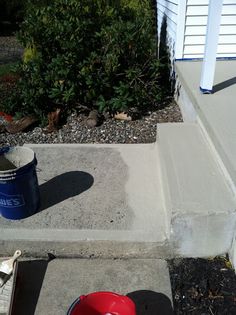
(80, 189)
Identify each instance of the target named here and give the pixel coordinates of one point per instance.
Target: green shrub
(97, 53)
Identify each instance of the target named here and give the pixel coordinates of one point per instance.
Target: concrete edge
(94, 145)
(70, 235)
(84, 244)
(218, 159)
(182, 99)
(165, 185)
(87, 249)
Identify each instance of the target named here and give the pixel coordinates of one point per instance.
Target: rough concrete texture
(217, 111)
(188, 111)
(203, 208)
(51, 288)
(81, 189)
(85, 248)
(103, 193)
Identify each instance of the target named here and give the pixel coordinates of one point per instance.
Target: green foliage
(97, 53)
(7, 68)
(30, 53)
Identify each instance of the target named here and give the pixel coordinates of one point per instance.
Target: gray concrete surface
(50, 288)
(107, 194)
(203, 208)
(216, 111)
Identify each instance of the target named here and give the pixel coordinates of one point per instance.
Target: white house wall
(195, 29)
(167, 10)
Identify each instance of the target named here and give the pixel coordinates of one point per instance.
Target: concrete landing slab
(216, 111)
(62, 281)
(96, 200)
(201, 206)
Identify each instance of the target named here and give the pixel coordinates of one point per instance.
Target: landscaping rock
(142, 130)
(93, 118)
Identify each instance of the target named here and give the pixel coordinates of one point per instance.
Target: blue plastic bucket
(19, 190)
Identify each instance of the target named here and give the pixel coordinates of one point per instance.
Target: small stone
(142, 130)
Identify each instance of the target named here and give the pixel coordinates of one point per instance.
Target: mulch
(203, 286)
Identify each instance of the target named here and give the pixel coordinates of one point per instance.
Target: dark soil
(203, 286)
(7, 85)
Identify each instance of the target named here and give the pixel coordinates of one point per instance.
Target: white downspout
(212, 35)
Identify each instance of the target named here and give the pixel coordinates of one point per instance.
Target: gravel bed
(110, 131)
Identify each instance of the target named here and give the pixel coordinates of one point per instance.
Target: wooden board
(7, 292)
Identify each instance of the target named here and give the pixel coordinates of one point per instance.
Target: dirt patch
(203, 286)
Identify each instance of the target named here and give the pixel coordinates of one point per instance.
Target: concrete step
(201, 206)
(216, 112)
(50, 288)
(97, 200)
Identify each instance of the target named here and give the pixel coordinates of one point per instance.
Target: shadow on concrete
(29, 281)
(64, 186)
(167, 74)
(151, 303)
(223, 85)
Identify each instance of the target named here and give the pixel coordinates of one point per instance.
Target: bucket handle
(4, 150)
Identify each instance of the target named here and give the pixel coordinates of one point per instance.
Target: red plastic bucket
(102, 303)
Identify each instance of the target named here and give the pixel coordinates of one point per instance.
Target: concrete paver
(62, 281)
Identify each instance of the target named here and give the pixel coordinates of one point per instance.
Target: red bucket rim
(102, 303)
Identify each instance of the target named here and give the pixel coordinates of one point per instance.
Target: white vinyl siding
(167, 11)
(195, 29)
(201, 30)
(206, 2)
(200, 39)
